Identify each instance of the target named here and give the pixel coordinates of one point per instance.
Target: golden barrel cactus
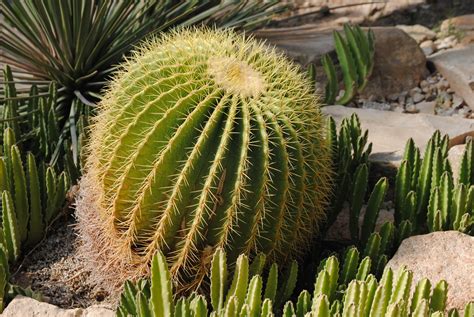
(204, 139)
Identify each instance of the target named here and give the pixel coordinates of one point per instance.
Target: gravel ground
(432, 96)
(55, 270)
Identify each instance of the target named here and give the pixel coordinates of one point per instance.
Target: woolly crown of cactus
(204, 139)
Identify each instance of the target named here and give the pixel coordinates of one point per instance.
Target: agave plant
(78, 44)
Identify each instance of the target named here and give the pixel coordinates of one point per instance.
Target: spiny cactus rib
(205, 140)
(10, 227)
(20, 193)
(36, 225)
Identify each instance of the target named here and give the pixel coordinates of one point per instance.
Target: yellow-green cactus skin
(204, 139)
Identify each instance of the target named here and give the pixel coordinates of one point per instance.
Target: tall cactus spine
(205, 139)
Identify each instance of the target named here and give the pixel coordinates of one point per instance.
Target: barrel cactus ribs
(204, 139)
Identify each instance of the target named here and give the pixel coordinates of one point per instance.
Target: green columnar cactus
(205, 139)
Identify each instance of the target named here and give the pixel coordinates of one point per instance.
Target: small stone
(411, 108)
(392, 97)
(465, 111)
(442, 85)
(341, 93)
(402, 97)
(432, 80)
(426, 107)
(375, 105)
(457, 101)
(415, 91)
(444, 95)
(424, 84)
(398, 109)
(430, 97)
(428, 47)
(418, 98)
(426, 90)
(447, 42)
(445, 112)
(447, 104)
(372, 98)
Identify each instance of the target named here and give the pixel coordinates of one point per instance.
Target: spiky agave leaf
(78, 43)
(205, 139)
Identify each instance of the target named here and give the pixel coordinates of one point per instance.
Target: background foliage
(77, 44)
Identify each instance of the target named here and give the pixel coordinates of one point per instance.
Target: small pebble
(411, 108)
(445, 112)
(375, 105)
(398, 109)
(428, 47)
(415, 91)
(433, 96)
(442, 85)
(393, 97)
(418, 98)
(424, 84)
(457, 101)
(426, 107)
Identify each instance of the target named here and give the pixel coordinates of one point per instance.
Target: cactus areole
(204, 139)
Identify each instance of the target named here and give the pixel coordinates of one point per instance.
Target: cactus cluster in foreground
(205, 139)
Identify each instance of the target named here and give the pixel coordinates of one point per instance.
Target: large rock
(389, 131)
(457, 66)
(448, 256)
(399, 64)
(28, 307)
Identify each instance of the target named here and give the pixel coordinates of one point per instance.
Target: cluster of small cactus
(32, 195)
(244, 294)
(349, 154)
(426, 197)
(205, 139)
(31, 191)
(347, 290)
(31, 114)
(426, 194)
